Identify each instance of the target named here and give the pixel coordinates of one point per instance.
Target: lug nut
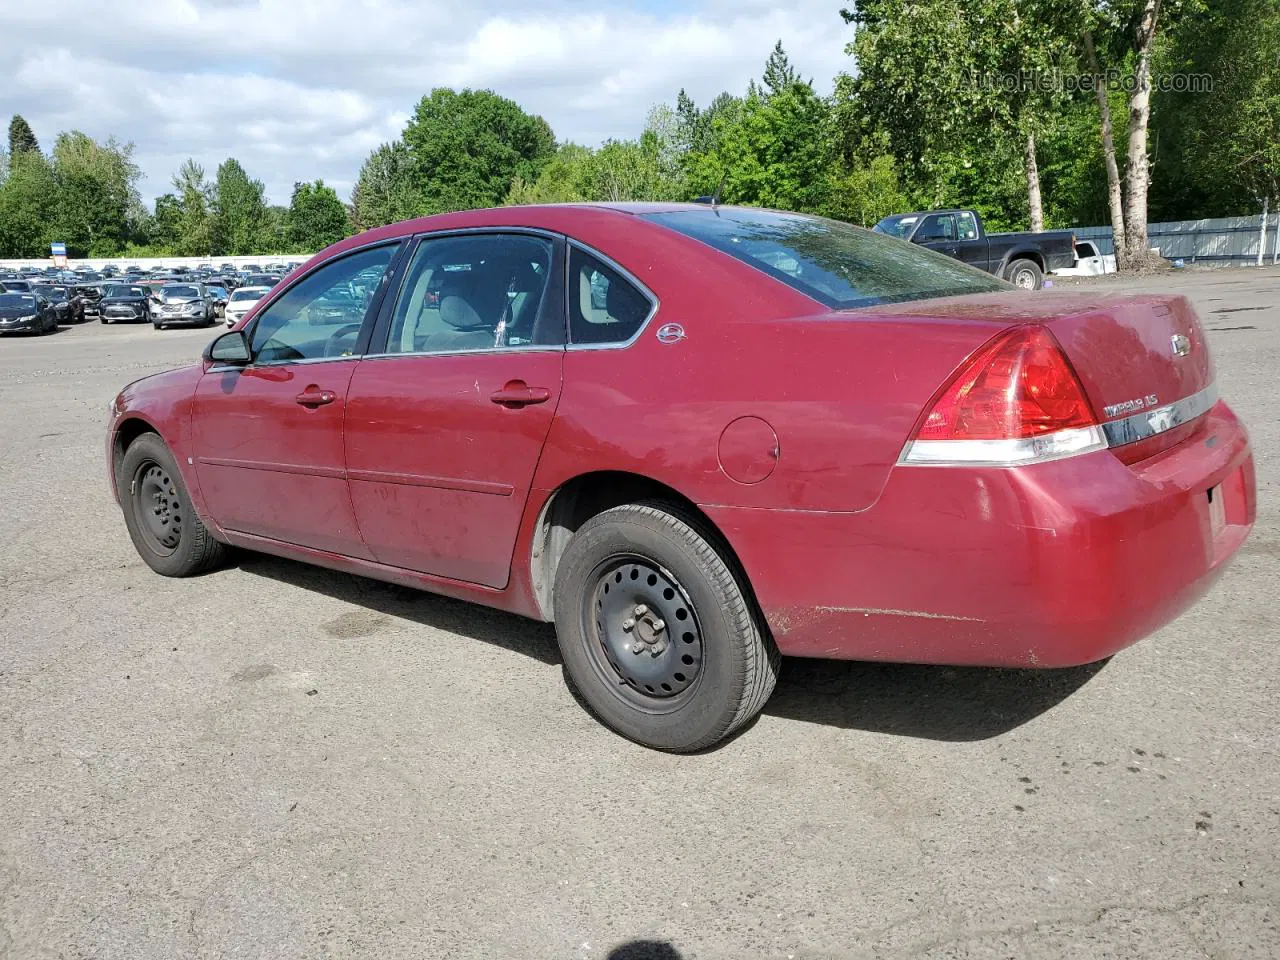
(658, 626)
(628, 623)
(641, 610)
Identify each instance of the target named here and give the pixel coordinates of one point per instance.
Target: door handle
(313, 396)
(517, 393)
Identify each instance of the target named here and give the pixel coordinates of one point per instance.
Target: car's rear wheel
(157, 510)
(1026, 274)
(657, 634)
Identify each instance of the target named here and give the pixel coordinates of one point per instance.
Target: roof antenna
(713, 199)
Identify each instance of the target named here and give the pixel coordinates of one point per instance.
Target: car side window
(966, 226)
(604, 306)
(474, 292)
(321, 315)
(937, 228)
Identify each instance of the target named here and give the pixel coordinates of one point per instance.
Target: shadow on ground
(954, 704)
(645, 950)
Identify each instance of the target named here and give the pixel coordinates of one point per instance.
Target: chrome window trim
(612, 264)
(488, 351)
(1152, 423)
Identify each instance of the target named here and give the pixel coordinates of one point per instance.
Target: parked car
(181, 303)
(241, 301)
(16, 285)
(780, 434)
(219, 295)
(65, 309)
(125, 302)
(26, 313)
(267, 280)
(1021, 258)
(87, 296)
(1089, 262)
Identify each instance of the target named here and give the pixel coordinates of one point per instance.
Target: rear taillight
(1015, 401)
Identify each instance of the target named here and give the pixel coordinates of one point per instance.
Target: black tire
(157, 326)
(1025, 274)
(102, 319)
(162, 524)
(720, 634)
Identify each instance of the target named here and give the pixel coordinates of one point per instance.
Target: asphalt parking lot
(277, 761)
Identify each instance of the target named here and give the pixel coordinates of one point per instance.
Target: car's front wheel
(157, 510)
(657, 633)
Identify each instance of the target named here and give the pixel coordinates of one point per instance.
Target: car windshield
(181, 293)
(120, 290)
(898, 226)
(839, 265)
(247, 295)
(11, 300)
(52, 293)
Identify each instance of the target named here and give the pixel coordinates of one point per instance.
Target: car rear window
(839, 265)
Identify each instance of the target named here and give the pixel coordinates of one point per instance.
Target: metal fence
(1228, 241)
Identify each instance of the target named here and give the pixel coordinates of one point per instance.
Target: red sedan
(696, 437)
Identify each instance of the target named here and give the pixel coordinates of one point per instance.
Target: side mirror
(231, 349)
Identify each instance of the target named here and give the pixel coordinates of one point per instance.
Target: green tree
(778, 72)
(385, 192)
(22, 139)
(28, 206)
(316, 218)
(1220, 148)
(96, 189)
(194, 196)
(771, 151)
(469, 147)
(239, 211)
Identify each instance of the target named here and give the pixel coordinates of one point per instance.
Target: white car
(1089, 263)
(241, 301)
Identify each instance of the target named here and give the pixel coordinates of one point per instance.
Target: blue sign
(58, 249)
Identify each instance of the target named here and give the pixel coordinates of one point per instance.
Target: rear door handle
(313, 396)
(517, 393)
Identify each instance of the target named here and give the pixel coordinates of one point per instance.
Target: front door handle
(517, 393)
(313, 396)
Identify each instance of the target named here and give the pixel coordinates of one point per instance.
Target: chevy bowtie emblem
(670, 333)
(1181, 345)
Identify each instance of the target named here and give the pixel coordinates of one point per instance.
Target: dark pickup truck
(1021, 258)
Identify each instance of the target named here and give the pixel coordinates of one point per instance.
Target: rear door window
(604, 306)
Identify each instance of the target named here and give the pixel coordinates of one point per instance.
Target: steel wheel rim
(643, 632)
(1024, 279)
(158, 507)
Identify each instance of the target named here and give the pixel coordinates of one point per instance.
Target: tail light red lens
(1019, 386)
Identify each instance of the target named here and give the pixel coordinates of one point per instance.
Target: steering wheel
(334, 347)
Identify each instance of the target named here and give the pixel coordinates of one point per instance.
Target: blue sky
(299, 89)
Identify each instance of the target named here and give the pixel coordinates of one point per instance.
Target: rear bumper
(1053, 565)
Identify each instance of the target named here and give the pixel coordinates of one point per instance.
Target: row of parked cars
(40, 300)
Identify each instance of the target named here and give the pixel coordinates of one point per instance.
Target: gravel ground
(276, 761)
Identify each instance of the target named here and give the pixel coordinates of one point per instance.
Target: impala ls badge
(1181, 344)
(670, 333)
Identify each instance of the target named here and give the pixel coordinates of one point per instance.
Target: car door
(268, 436)
(938, 232)
(971, 248)
(446, 421)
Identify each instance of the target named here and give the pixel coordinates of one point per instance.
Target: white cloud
(299, 89)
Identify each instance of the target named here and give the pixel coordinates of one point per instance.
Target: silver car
(185, 303)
